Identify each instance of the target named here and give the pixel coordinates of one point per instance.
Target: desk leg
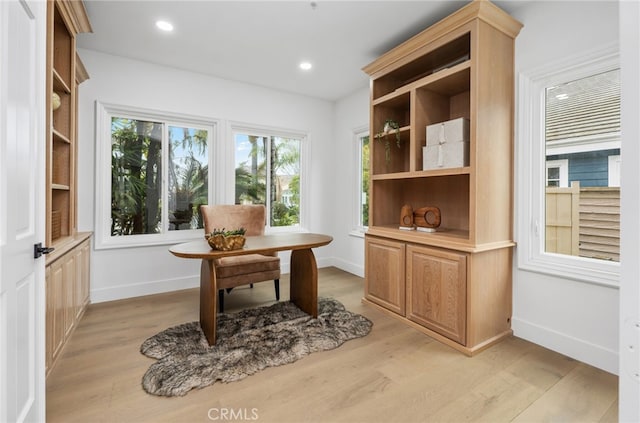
(208, 305)
(304, 281)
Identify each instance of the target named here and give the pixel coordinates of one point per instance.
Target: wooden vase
(406, 216)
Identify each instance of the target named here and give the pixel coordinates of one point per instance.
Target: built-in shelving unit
(67, 269)
(455, 283)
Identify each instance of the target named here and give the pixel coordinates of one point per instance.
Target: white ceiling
(262, 42)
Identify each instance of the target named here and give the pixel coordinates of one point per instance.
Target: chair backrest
(252, 217)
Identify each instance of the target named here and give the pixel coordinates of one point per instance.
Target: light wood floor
(395, 374)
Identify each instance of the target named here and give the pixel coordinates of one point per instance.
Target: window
(362, 180)
(268, 171)
(557, 173)
(154, 170)
(613, 170)
(568, 127)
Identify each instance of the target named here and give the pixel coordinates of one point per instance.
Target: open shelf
(449, 193)
(399, 155)
(448, 82)
(61, 163)
(60, 214)
(62, 116)
(396, 107)
(57, 136)
(441, 57)
(59, 85)
(423, 173)
(63, 50)
(398, 97)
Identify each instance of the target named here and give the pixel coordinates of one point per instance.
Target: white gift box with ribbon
(447, 145)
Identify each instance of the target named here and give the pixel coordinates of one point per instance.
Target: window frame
(267, 131)
(613, 170)
(358, 133)
(104, 113)
(531, 165)
(563, 170)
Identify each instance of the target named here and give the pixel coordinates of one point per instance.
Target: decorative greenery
(389, 126)
(224, 232)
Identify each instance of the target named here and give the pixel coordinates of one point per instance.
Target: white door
(22, 142)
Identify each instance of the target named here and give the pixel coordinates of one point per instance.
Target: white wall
(351, 115)
(571, 317)
(629, 388)
(123, 273)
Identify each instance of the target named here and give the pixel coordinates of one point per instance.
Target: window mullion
(164, 159)
(267, 200)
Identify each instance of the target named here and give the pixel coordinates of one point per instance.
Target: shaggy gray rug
(248, 342)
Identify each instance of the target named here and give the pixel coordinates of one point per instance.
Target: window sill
(575, 268)
(142, 241)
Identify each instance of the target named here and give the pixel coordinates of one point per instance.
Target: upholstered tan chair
(247, 269)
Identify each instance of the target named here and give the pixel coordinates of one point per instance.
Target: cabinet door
(69, 287)
(385, 273)
(437, 290)
(49, 319)
(55, 311)
(82, 273)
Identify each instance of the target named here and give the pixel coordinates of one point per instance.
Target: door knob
(39, 250)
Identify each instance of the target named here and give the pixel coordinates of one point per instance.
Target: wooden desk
(303, 277)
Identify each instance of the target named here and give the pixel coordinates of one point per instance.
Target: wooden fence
(583, 221)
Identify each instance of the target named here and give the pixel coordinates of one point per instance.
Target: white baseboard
(120, 292)
(352, 268)
(592, 354)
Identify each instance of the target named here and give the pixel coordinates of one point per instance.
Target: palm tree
(284, 159)
(251, 179)
(188, 176)
(135, 176)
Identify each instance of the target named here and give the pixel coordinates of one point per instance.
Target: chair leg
(276, 284)
(251, 285)
(221, 301)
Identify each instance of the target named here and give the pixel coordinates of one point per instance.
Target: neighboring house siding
(585, 108)
(591, 168)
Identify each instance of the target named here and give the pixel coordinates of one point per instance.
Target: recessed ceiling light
(305, 65)
(164, 25)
